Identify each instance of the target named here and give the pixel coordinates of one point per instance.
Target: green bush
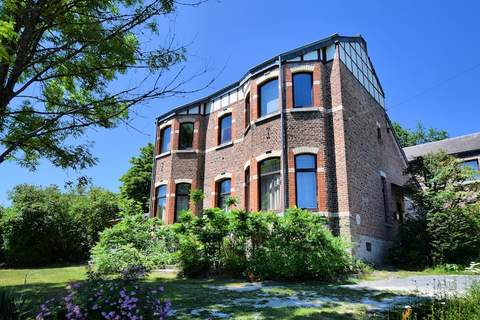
(45, 226)
(136, 240)
(12, 306)
(263, 245)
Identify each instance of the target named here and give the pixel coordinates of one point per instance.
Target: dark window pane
(270, 165)
(270, 184)
(306, 181)
(306, 190)
(302, 90)
(305, 161)
(165, 140)
(269, 97)
(186, 136)
(247, 189)
(182, 198)
(223, 193)
(161, 202)
(247, 111)
(226, 129)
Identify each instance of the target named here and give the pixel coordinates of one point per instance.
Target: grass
(214, 298)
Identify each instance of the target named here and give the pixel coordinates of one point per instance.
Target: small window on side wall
(224, 187)
(268, 97)
(302, 90)
(165, 140)
(186, 136)
(161, 202)
(182, 199)
(225, 130)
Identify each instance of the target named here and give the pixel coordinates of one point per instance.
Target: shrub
(124, 298)
(265, 245)
(135, 240)
(45, 226)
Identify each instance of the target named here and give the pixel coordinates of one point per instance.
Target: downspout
(283, 135)
(154, 169)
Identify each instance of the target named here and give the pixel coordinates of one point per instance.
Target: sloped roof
(456, 145)
(271, 62)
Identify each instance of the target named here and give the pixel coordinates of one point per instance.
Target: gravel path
(421, 285)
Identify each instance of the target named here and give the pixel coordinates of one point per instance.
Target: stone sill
(304, 109)
(162, 155)
(186, 151)
(267, 117)
(224, 145)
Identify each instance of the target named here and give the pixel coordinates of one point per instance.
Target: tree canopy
(419, 135)
(69, 65)
(136, 181)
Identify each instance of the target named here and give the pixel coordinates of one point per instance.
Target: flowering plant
(123, 298)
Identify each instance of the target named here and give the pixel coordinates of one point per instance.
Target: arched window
(224, 187)
(165, 140)
(182, 199)
(306, 181)
(161, 202)
(247, 110)
(268, 97)
(270, 184)
(247, 189)
(186, 136)
(302, 90)
(225, 131)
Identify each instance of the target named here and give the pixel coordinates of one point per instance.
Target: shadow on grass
(205, 298)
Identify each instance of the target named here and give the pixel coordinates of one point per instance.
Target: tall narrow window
(269, 97)
(385, 200)
(247, 189)
(186, 136)
(182, 198)
(302, 90)
(165, 140)
(306, 181)
(247, 110)
(161, 202)
(224, 187)
(270, 184)
(225, 131)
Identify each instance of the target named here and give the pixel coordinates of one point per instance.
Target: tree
(442, 190)
(136, 181)
(69, 65)
(419, 135)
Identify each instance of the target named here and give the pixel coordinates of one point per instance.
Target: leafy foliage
(446, 201)
(62, 69)
(12, 306)
(419, 135)
(261, 245)
(136, 181)
(136, 240)
(45, 226)
(98, 298)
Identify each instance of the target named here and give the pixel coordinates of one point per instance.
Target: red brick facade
(341, 129)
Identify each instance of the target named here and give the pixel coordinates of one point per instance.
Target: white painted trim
(166, 124)
(161, 183)
(267, 76)
(186, 119)
(177, 181)
(302, 68)
(247, 164)
(273, 154)
(224, 112)
(299, 150)
(382, 174)
(222, 176)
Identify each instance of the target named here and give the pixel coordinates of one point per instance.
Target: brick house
(465, 148)
(306, 128)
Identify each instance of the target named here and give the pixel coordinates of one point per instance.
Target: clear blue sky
(426, 54)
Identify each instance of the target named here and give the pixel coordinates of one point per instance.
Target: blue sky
(426, 54)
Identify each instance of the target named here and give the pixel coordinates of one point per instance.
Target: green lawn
(207, 298)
